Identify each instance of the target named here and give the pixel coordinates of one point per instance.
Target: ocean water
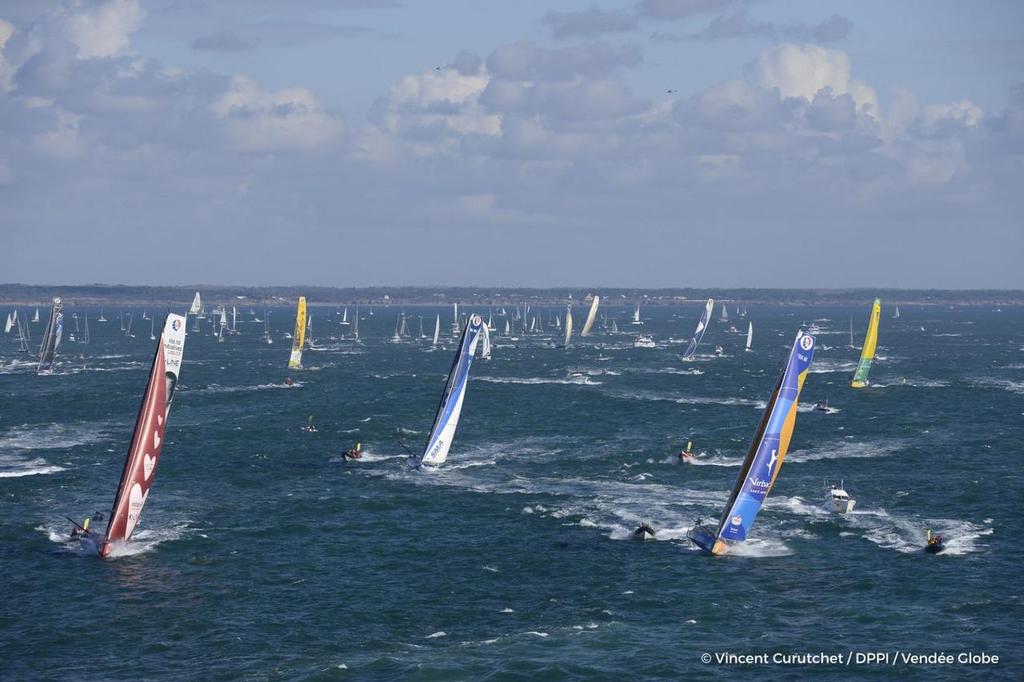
(262, 555)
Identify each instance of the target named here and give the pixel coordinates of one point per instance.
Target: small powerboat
(644, 531)
(719, 350)
(837, 499)
(578, 378)
(935, 543)
(355, 453)
(644, 341)
(687, 454)
(821, 406)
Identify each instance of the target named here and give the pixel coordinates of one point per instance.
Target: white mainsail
(197, 305)
(9, 325)
(750, 334)
(591, 316)
(568, 325)
(725, 313)
(447, 418)
(437, 331)
(636, 315)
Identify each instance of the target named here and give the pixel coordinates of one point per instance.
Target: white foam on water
(13, 467)
(147, 540)
(1005, 384)
(217, 388)
(825, 366)
(536, 380)
(687, 400)
(435, 635)
(848, 450)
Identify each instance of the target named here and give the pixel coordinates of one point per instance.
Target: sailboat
(128, 331)
(568, 325)
(867, 353)
(35, 318)
(266, 330)
(750, 336)
(234, 320)
(765, 456)
(23, 335)
(51, 338)
(9, 324)
(147, 442)
(615, 327)
(455, 319)
(223, 321)
(121, 315)
(197, 305)
(636, 316)
(74, 316)
(101, 318)
(355, 325)
(447, 418)
(152, 329)
(344, 318)
(702, 327)
(85, 338)
(591, 316)
(851, 331)
(896, 314)
(437, 331)
(295, 361)
(508, 328)
(397, 336)
(725, 313)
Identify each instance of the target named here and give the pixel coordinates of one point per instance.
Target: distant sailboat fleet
(758, 472)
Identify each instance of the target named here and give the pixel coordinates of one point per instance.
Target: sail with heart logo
(764, 459)
(148, 438)
(702, 327)
(299, 339)
(51, 338)
(448, 411)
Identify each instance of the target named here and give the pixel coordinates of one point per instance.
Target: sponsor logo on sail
(736, 520)
(806, 342)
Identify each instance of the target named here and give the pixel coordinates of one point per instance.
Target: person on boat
(355, 453)
(934, 540)
(821, 406)
(644, 528)
(310, 427)
(79, 531)
(686, 453)
(289, 381)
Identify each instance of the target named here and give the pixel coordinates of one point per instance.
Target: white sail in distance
(591, 316)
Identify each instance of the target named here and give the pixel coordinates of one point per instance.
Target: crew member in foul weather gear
(354, 453)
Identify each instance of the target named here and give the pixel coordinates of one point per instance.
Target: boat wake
(16, 467)
(217, 388)
(536, 380)
(1005, 384)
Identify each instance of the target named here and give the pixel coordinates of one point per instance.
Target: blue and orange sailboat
(764, 459)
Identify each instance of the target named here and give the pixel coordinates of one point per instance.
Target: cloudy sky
(649, 143)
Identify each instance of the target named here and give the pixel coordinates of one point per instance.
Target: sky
(638, 143)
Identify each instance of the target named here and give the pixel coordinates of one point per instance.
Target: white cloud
(803, 70)
(281, 120)
(105, 30)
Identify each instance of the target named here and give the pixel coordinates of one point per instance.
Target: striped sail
(51, 338)
(702, 327)
(149, 435)
(591, 316)
(300, 334)
(867, 354)
(764, 459)
(447, 418)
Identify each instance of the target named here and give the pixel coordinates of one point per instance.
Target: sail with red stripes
(148, 439)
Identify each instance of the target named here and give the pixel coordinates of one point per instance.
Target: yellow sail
(300, 334)
(860, 378)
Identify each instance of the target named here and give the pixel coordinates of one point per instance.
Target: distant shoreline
(178, 296)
